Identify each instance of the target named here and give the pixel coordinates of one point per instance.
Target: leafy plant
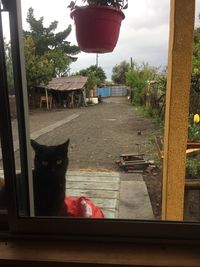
(96, 77)
(193, 167)
(121, 4)
(50, 44)
(119, 72)
(193, 129)
(137, 78)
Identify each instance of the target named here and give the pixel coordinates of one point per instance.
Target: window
(21, 196)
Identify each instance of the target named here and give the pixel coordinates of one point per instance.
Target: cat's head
(50, 159)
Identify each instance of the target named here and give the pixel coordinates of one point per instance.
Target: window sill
(74, 253)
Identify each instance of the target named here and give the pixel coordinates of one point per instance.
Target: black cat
(50, 166)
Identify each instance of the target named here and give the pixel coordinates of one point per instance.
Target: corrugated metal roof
(67, 83)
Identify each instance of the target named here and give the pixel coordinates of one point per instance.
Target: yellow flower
(196, 118)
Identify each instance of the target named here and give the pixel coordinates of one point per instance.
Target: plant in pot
(98, 24)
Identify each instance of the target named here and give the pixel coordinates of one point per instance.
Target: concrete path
(134, 198)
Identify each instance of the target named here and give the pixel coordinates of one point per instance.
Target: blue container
(103, 91)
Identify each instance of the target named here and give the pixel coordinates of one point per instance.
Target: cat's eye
(44, 163)
(58, 162)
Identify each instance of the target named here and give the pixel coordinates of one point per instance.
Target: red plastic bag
(80, 207)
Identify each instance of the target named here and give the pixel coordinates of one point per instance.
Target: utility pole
(131, 61)
(97, 60)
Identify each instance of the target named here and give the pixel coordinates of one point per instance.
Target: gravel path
(100, 134)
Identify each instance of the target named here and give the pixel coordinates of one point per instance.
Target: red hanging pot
(97, 27)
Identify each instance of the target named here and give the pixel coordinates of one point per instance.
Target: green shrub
(193, 129)
(193, 167)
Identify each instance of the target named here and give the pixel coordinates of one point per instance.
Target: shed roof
(67, 83)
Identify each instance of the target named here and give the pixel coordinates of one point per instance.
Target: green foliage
(38, 68)
(121, 4)
(9, 68)
(153, 114)
(193, 129)
(96, 76)
(119, 72)
(193, 132)
(59, 60)
(51, 45)
(193, 167)
(196, 60)
(137, 78)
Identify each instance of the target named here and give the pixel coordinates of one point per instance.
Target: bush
(193, 167)
(193, 129)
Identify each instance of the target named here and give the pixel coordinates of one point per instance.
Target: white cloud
(143, 35)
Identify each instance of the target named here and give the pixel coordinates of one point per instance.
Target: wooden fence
(194, 102)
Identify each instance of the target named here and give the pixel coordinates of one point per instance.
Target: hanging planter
(98, 26)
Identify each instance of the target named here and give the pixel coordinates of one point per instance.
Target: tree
(50, 44)
(196, 60)
(137, 78)
(38, 68)
(119, 72)
(96, 77)
(9, 67)
(97, 72)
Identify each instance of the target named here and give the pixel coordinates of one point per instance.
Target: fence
(194, 102)
(114, 90)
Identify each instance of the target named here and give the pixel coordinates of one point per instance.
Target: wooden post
(177, 107)
(47, 98)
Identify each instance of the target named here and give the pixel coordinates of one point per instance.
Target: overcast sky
(143, 36)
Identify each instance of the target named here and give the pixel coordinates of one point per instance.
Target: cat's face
(50, 159)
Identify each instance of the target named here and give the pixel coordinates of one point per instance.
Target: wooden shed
(67, 92)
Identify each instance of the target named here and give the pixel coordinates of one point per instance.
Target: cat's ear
(66, 144)
(35, 145)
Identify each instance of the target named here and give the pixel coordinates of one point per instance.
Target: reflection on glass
(101, 135)
(2, 188)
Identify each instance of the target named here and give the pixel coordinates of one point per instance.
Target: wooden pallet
(189, 151)
(133, 162)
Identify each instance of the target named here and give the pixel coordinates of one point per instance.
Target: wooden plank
(192, 184)
(31, 252)
(92, 185)
(192, 151)
(159, 145)
(93, 193)
(132, 155)
(87, 173)
(110, 213)
(100, 179)
(177, 106)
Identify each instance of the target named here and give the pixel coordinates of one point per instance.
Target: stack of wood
(133, 162)
(193, 148)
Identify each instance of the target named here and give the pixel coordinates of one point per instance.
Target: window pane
(113, 159)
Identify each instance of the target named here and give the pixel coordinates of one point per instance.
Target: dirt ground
(101, 133)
